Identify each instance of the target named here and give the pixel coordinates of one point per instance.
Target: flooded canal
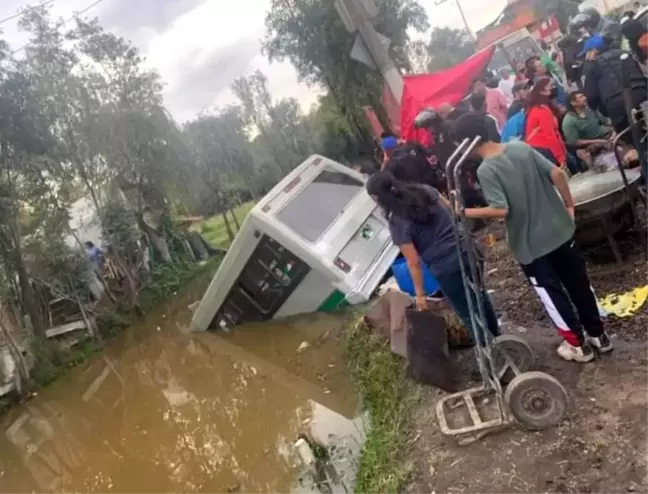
(166, 411)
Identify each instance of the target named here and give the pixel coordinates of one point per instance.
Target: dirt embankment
(601, 444)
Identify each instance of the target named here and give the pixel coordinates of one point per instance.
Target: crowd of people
(534, 133)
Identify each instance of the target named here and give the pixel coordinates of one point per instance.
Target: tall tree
(310, 35)
(448, 47)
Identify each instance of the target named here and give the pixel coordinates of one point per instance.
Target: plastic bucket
(404, 278)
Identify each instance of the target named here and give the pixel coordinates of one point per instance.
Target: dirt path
(599, 447)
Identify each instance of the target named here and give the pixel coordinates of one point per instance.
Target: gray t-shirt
(435, 241)
(519, 179)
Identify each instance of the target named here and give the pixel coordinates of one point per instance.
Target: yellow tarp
(626, 304)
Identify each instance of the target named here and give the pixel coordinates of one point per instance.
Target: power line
(25, 9)
(63, 23)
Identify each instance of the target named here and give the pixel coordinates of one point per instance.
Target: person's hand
(421, 302)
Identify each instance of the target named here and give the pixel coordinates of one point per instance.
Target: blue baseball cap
(389, 143)
(595, 42)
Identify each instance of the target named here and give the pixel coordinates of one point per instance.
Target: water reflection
(162, 411)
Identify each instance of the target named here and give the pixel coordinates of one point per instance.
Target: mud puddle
(166, 411)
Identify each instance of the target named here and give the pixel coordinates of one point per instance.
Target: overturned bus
(315, 242)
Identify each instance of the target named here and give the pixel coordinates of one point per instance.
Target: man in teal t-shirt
(531, 194)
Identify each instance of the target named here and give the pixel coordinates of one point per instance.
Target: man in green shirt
(532, 195)
(584, 129)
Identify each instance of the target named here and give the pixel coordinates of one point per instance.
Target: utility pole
(370, 48)
(463, 16)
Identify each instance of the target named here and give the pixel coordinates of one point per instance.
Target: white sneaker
(602, 343)
(581, 353)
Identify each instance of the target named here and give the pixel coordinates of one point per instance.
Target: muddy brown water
(164, 410)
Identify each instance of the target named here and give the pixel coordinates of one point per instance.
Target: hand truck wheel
(512, 355)
(536, 400)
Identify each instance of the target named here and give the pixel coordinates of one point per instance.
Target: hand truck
(533, 399)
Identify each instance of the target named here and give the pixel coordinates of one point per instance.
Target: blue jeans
(452, 287)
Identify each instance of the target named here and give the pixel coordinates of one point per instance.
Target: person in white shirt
(506, 84)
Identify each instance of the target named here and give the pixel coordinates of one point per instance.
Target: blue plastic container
(404, 278)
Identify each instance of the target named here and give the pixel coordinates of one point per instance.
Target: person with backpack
(478, 103)
(605, 71)
(421, 225)
(526, 190)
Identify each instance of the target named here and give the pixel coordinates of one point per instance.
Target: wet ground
(600, 446)
(166, 411)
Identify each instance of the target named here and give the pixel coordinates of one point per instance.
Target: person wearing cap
(388, 144)
(520, 94)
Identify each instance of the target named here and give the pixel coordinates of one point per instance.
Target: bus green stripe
(335, 300)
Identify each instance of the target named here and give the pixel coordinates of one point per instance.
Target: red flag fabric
(430, 90)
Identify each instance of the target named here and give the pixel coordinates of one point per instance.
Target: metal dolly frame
(533, 399)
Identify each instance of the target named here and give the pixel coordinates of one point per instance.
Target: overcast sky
(200, 46)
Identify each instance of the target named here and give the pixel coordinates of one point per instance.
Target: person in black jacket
(478, 103)
(605, 71)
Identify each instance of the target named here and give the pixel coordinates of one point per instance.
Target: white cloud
(200, 47)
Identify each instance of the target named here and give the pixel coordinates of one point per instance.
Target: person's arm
(558, 179)
(495, 197)
(413, 260)
(401, 234)
(590, 85)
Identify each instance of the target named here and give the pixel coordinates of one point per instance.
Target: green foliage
(51, 362)
(165, 281)
(311, 36)
(386, 395)
(214, 231)
(112, 322)
(120, 229)
(445, 48)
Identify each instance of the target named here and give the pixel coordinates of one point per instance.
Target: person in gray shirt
(532, 195)
(420, 223)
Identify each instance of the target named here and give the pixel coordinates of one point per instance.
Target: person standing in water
(525, 189)
(420, 223)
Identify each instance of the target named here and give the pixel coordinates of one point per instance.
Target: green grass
(213, 228)
(387, 395)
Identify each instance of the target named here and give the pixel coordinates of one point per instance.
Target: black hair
(478, 101)
(470, 126)
(387, 134)
(481, 79)
(633, 30)
(396, 198)
(89, 244)
(571, 97)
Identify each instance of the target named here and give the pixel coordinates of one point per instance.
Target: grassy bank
(387, 395)
(213, 228)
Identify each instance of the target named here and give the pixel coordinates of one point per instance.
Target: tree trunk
(228, 227)
(159, 243)
(28, 298)
(236, 221)
(22, 367)
(197, 246)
